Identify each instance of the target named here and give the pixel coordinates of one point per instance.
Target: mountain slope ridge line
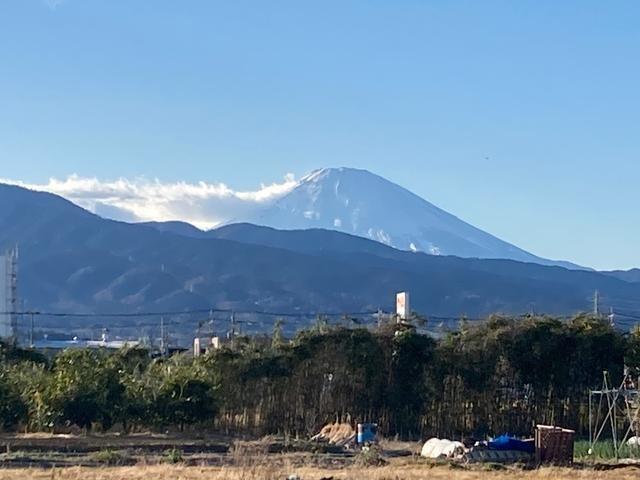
(362, 203)
(74, 261)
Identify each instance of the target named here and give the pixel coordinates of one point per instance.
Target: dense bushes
(91, 388)
(505, 375)
(12, 408)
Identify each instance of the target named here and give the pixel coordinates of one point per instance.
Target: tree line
(504, 375)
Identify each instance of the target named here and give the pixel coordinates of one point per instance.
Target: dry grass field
(177, 457)
(391, 472)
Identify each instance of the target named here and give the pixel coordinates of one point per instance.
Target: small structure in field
(554, 445)
(367, 433)
(611, 408)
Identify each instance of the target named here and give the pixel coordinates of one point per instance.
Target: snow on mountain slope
(364, 204)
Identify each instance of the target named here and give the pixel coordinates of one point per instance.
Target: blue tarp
(367, 432)
(505, 442)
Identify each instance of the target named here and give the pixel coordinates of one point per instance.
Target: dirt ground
(390, 472)
(179, 457)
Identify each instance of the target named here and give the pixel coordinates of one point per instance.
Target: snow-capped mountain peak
(364, 204)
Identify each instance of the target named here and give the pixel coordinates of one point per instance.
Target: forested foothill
(504, 375)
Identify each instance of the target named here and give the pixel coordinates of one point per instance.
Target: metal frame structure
(13, 287)
(9, 305)
(622, 409)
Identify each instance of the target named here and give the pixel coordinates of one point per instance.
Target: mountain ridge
(359, 202)
(74, 261)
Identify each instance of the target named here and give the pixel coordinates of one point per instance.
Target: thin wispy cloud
(54, 4)
(202, 204)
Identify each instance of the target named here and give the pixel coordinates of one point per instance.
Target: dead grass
(244, 460)
(267, 472)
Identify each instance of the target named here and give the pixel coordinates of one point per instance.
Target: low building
(76, 343)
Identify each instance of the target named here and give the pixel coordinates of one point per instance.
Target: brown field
(400, 472)
(184, 457)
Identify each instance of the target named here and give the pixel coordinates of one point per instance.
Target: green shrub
(370, 456)
(109, 456)
(173, 455)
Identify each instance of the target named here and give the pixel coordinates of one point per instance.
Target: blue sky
(522, 118)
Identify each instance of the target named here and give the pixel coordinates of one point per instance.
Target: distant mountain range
(74, 261)
(632, 275)
(361, 203)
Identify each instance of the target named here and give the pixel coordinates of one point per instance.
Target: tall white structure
(8, 293)
(403, 309)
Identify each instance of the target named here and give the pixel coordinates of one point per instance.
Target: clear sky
(521, 117)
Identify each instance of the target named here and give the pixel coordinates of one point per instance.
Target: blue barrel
(367, 432)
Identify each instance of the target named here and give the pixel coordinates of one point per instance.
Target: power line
(189, 312)
(624, 315)
(184, 317)
(372, 313)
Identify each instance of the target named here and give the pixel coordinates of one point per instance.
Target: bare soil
(152, 456)
(267, 472)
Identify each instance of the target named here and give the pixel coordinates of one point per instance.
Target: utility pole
(31, 344)
(233, 325)
(596, 303)
(162, 336)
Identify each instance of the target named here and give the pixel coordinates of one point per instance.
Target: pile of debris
(338, 434)
(442, 448)
(550, 445)
(502, 449)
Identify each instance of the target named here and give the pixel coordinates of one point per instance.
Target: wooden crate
(554, 445)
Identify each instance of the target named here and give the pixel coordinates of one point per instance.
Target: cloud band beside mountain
(202, 204)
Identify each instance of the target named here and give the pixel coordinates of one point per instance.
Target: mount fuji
(72, 260)
(361, 203)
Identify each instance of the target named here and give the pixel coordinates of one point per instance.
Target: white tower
(403, 308)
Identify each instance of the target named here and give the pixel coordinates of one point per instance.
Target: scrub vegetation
(504, 375)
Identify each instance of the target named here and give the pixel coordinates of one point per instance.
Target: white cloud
(202, 204)
(54, 4)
